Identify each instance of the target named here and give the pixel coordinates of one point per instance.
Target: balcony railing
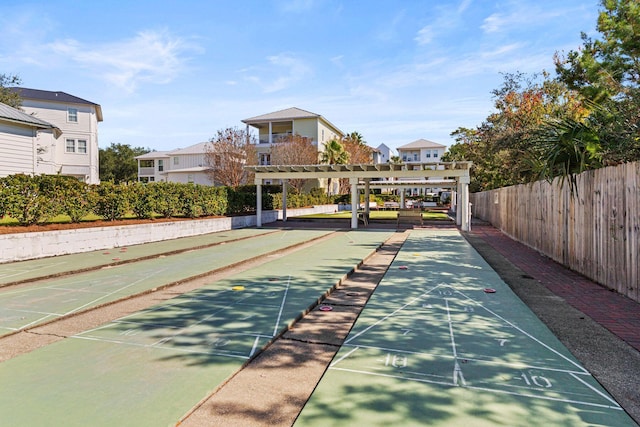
(146, 171)
(264, 139)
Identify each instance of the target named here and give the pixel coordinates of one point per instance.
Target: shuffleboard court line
(470, 359)
(490, 390)
(349, 353)
(178, 350)
(594, 389)
(526, 333)
(392, 313)
(284, 299)
(90, 303)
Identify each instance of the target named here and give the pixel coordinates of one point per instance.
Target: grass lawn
(390, 215)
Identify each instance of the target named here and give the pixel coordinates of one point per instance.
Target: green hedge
(38, 199)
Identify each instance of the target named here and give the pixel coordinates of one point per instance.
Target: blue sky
(169, 74)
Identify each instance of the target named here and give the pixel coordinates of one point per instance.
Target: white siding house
(184, 165)
(75, 153)
(20, 136)
(422, 151)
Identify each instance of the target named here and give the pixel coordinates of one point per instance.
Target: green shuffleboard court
(32, 304)
(151, 368)
(443, 341)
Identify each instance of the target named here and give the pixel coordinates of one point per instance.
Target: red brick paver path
(617, 313)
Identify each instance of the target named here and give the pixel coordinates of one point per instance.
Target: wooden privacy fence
(595, 231)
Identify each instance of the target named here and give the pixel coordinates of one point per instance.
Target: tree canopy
(584, 117)
(294, 150)
(228, 153)
(118, 163)
(8, 96)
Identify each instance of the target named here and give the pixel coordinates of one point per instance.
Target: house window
(146, 163)
(435, 154)
(265, 159)
(160, 165)
(82, 146)
(72, 115)
(415, 157)
(76, 146)
(176, 160)
(427, 154)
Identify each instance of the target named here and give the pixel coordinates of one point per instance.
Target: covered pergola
(453, 175)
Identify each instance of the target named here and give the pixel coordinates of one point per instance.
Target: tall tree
(333, 154)
(356, 146)
(294, 150)
(504, 147)
(117, 162)
(8, 96)
(606, 71)
(228, 153)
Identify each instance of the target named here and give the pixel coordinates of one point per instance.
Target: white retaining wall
(23, 246)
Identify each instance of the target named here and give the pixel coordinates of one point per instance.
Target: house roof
(199, 148)
(288, 114)
(14, 115)
(55, 96)
(421, 143)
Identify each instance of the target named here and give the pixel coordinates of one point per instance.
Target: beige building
(75, 152)
(291, 121)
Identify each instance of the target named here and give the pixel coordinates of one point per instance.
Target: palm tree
(333, 154)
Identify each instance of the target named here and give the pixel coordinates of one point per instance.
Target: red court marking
(490, 291)
(106, 253)
(403, 267)
(115, 259)
(325, 308)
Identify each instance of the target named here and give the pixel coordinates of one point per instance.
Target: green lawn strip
(150, 368)
(376, 215)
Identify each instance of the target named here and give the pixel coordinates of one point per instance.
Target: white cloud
(282, 71)
(425, 35)
(149, 57)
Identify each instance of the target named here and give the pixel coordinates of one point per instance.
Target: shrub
(112, 200)
(22, 198)
(141, 200)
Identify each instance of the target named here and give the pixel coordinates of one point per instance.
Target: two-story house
(20, 135)
(291, 121)
(75, 152)
(418, 152)
(184, 165)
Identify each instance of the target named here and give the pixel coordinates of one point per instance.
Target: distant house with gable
(184, 165)
(75, 152)
(419, 152)
(291, 121)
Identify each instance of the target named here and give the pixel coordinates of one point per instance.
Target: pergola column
(258, 202)
(354, 202)
(284, 200)
(465, 211)
(366, 196)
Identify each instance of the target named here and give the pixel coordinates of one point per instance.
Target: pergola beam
(452, 175)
